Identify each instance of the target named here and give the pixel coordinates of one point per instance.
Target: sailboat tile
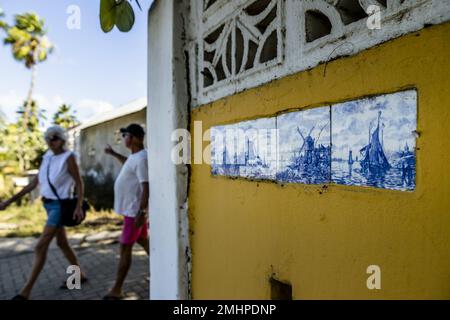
(223, 151)
(246, 149)
(373, 141)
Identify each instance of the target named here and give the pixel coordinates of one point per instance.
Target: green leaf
(108, 12)
(23, 52)
(125, 16)
(42, 55)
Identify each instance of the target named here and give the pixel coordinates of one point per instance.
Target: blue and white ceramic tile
(223, 151)
(304, 146)
(246, 149)
(374, 143)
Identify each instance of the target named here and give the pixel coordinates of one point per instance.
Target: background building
(99, 170)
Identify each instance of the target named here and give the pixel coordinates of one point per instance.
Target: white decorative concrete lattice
(239, 44)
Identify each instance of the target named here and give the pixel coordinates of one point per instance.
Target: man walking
(131, 193)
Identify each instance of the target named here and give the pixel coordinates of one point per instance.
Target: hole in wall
(264, 24)
(208, 3)
(350, 11)
(208, 79)
(317, 25)
(229, 54)
(280, 290)
(269, 51)
(257, 7)
(219, 71)
(252, 49)
(208, 56)
(213, 36)
(239, 49)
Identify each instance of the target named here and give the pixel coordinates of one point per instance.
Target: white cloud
(85, 108)
(49, 104)
(9, 103)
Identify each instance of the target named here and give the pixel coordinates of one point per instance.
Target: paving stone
(103, 236)
(99, 260)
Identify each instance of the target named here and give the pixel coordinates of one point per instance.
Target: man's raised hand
(109, 150)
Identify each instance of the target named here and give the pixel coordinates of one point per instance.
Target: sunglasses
(53, 139)
(124, 135)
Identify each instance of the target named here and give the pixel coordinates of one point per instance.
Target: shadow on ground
(98, 260)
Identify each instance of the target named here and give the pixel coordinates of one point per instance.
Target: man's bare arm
(145, 194)
(141, 218)
(109, 150)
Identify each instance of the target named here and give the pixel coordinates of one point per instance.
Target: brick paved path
(99, 261)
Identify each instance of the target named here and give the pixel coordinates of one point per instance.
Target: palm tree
(30, 46)
(2, 23)
(65, 117)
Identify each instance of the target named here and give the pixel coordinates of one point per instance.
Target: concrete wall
(168, 98)
(99, 170)
(321, 238)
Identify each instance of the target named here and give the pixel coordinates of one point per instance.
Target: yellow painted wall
(322, 238)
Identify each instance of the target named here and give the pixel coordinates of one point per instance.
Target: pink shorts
(131, 234)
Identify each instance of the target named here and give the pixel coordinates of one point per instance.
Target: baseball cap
(134, 129)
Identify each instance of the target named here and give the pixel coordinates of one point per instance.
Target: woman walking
(58, 168)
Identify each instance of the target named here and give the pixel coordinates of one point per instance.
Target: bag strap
(49, 182)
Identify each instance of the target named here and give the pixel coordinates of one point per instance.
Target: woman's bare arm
(74, 171)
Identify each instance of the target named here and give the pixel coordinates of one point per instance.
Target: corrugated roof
(129, 108)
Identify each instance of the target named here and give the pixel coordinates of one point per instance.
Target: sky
(90, 70)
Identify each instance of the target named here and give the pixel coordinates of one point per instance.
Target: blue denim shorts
(53, 209)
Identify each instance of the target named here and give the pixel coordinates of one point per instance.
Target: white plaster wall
(168, 110)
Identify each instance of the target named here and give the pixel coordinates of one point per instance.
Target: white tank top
(59, 176)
